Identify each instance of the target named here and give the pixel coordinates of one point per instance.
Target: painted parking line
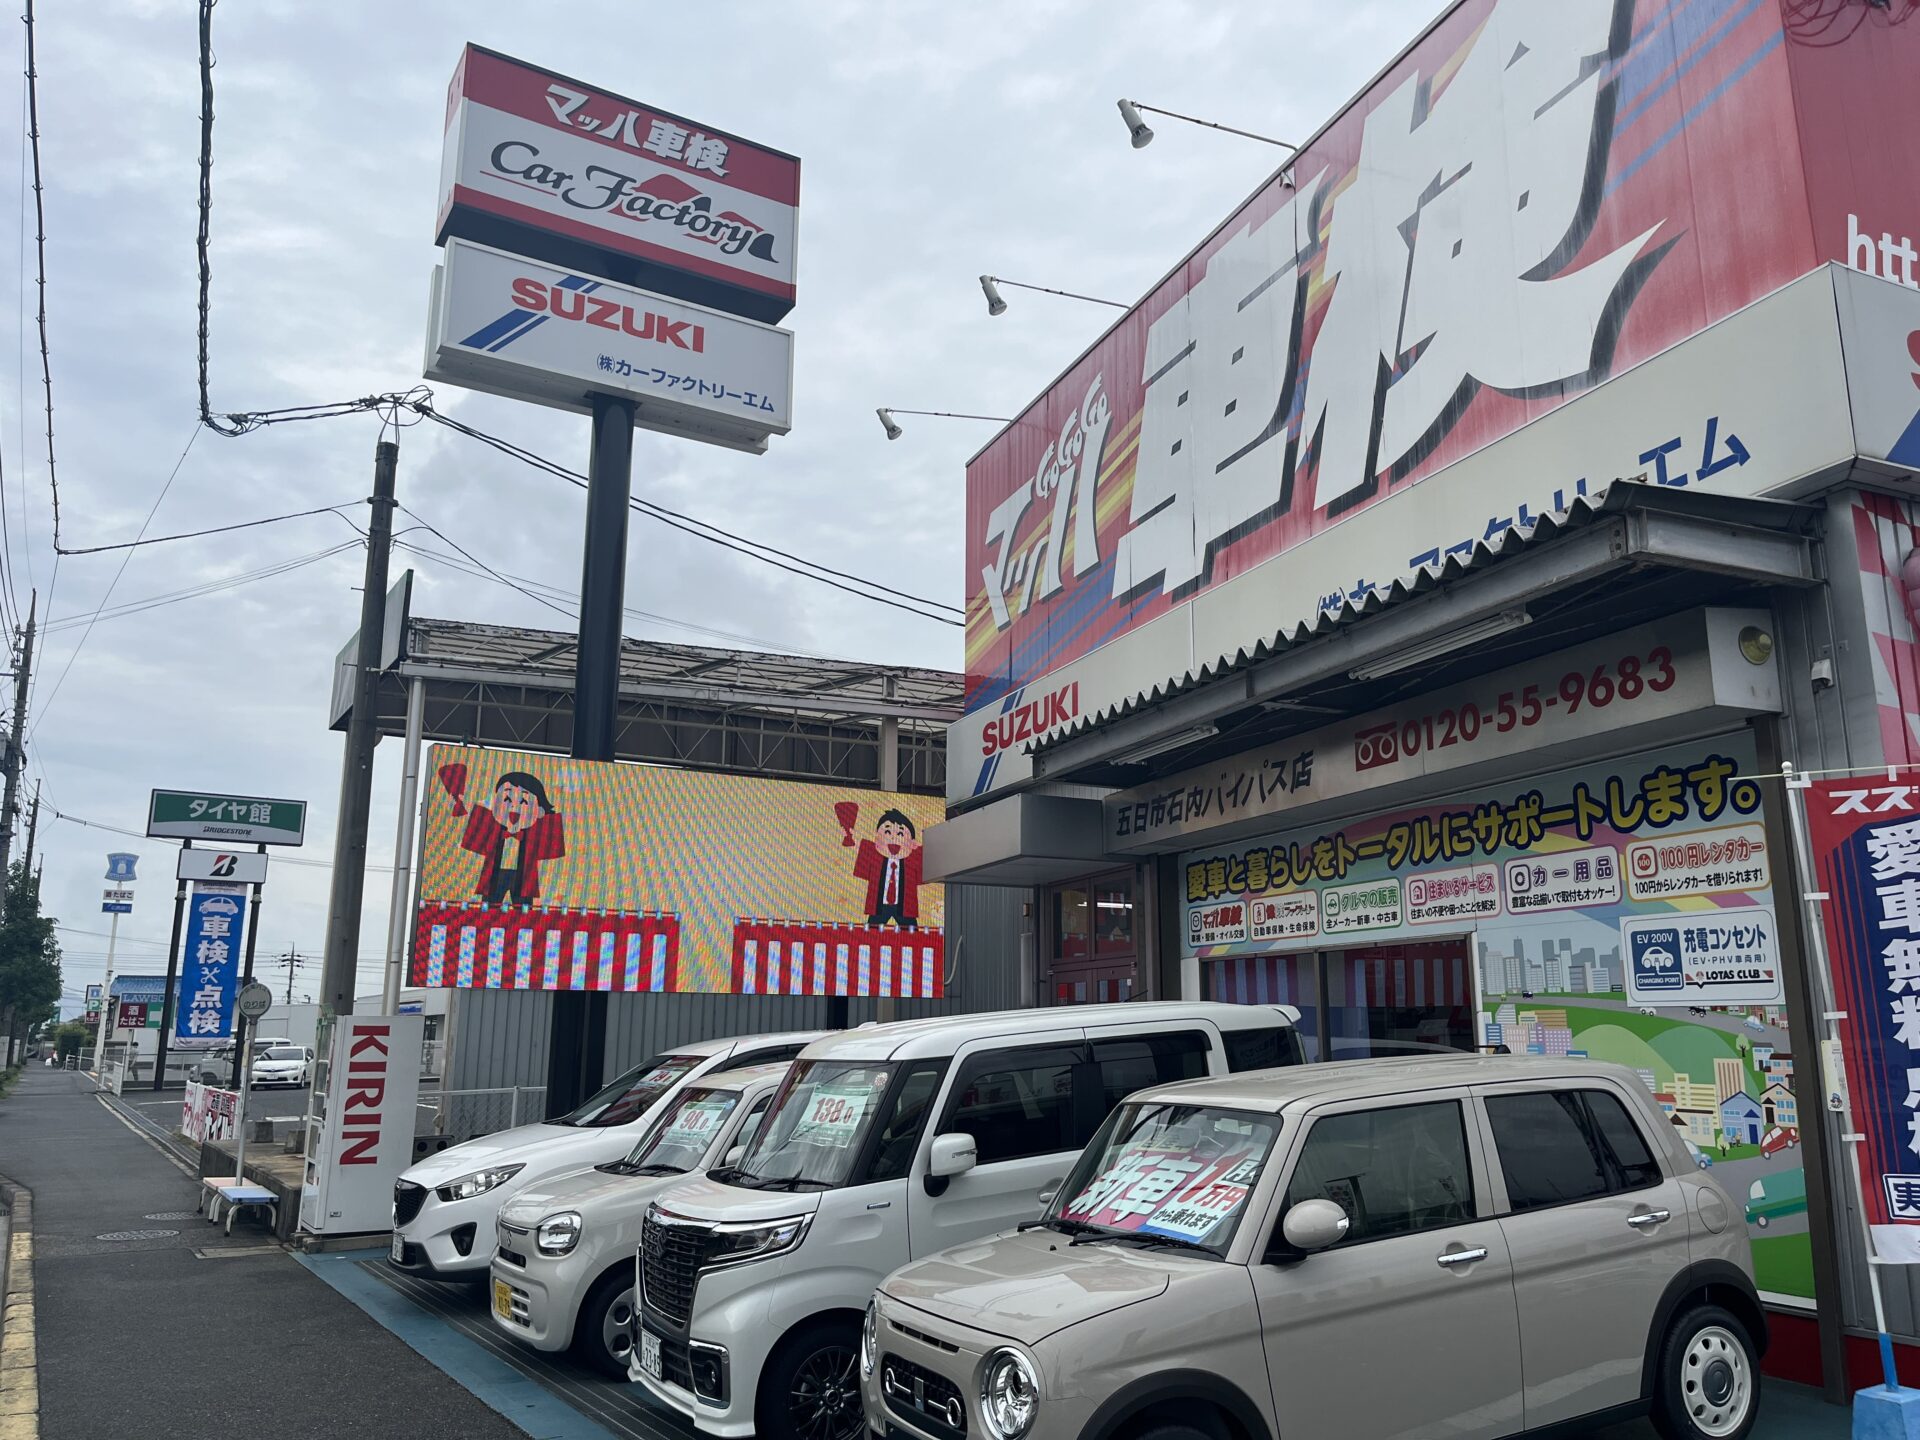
(496, 1384)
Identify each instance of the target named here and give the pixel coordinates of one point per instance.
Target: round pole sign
(254, 1000)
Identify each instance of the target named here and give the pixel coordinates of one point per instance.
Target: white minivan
(884, 1144)
(445, 1207)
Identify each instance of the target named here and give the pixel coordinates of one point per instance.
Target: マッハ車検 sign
(544, 165)
(1865, 833)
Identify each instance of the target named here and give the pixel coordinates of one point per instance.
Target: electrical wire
(472, 559)
(40, 244)
(211, 587)
(280, 856)
(215, 529)
(714, 534)
(563, 595)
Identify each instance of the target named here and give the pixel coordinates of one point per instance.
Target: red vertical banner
(1865, 834)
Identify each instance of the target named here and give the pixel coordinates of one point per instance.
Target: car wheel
(810, 1390)
(1708, 1386)
(603, 1331)
(1176, 1432)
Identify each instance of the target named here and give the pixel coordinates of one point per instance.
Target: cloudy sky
(937, 142)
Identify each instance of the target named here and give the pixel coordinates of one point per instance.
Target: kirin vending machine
(360, 1122)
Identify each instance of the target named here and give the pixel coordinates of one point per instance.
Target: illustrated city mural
(1623, 912)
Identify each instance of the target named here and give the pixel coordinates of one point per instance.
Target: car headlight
(742, 1241)
(478, 1183)
(869, 1337)
(1009, 1394)
(558, 1234)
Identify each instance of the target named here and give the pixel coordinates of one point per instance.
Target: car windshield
(811, 1138)
(285, 1052)
(633, 1093)
(1164, 1173)
(685, 1132)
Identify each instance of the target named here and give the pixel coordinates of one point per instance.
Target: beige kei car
(1446, 1246)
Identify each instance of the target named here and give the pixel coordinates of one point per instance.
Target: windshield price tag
(696, 1122)
(833, 1117)
(1159, 1192)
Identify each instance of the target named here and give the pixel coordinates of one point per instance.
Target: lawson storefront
(1417, 607)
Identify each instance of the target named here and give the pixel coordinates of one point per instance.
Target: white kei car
(445, 1207)
(563, 1274)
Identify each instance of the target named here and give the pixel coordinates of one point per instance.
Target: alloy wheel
(824, 1401)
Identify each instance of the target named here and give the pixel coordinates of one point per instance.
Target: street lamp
(894, 432)
(1143, 133)
(997, 304)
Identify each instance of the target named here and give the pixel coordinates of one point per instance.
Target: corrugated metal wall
(500, 1036)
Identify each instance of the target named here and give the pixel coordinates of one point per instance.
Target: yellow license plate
(503, 1299)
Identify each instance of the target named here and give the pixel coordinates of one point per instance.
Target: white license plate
(650, 1354)
(399, 1249)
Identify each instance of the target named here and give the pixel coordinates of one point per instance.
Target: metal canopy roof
(1628, 553)
(745, 711)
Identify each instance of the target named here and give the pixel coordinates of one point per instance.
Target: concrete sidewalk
(150, 1321)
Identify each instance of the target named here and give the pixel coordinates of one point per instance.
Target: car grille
(671, 1257)
(675, 1366)
(510, 1245)
(407, 1200)
(923, 1398)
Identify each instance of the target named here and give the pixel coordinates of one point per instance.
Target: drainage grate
(136, 1235)
(173, 1215)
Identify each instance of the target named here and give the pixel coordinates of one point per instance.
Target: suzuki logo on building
(1031, 720)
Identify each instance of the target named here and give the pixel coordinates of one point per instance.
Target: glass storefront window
(1113, 916)
(1271, 980)
(1396, 994)
(1071, 923)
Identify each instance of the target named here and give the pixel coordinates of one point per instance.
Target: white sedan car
(444, 1208)
(281, 1065)
(564, 1270)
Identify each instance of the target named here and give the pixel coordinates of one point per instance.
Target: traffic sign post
(253, 1001)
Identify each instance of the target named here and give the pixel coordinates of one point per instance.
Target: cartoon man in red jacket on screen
(513, 836)
(890, 864)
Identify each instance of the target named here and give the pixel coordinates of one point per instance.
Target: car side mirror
(734, 1157)
(953, 1154)
(1315, 1225)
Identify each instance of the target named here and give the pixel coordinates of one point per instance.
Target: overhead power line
(714, 534)
(210, 587)
(140, 540)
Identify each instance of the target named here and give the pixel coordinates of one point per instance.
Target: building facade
(1417, 608)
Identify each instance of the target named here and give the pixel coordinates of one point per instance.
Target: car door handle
(1646, 1219)
(1462, 1257)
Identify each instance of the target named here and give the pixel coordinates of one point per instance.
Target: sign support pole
(577, 1037)
(356, 770)
(240, 1071)
(399, 917)
(173, 972)
(106, 999)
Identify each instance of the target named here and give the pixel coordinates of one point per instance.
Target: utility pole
(293, 959)
(577, 1035)
(33, 823)
(356, 771)
(16, 741)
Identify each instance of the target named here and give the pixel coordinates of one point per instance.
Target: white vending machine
(360, 1122)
